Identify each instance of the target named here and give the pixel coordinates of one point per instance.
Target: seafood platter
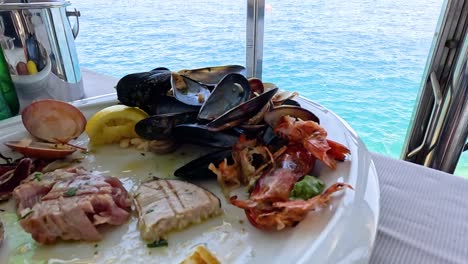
(190, 166)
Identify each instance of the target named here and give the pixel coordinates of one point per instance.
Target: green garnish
(70, 192)
(307, 188)
(38, 176)
(158, 243)
(149, 211)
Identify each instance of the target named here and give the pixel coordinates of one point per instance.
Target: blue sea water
(363, 59)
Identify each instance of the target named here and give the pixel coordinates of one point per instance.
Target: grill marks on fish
(165, 205)
(70, 204)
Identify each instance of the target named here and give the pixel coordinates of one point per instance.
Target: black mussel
(189, 91)
(160, 69)
(268, 136)
(258, 117)
(253, 128)
(202, 135)
(276, 113)
(198, 168)
(273, 141)
(242, 112)
(168, 104)
(159, 127)
(230, 92)
(291, 102)
(143, 89)
(163, 146)
(212, 75)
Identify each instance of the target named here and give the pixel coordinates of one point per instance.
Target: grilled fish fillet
(165, 205)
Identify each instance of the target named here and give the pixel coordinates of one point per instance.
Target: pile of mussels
(209, 106)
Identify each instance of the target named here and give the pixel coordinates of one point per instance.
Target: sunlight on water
(362, 59)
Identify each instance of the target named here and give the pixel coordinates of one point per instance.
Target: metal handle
(76, 26)
(435, 115)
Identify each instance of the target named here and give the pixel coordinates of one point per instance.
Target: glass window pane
(126, 36)
(362, 59)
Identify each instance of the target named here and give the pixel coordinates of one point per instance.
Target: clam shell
(40, 150)
(53, 121)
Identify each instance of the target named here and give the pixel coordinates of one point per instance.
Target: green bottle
(7, 89)
(4, 109)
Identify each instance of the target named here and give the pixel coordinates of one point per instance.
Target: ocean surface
(363, 59)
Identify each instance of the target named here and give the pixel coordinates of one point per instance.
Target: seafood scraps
(313, 137)
(274, 174)
(269, 206)
(70, 204)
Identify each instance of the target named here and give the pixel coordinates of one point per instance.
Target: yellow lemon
(114, 123)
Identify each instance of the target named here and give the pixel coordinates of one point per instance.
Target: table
(423, 212)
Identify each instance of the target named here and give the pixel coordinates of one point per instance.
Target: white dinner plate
(343, 232)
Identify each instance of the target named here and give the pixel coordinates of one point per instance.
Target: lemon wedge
(114, 123)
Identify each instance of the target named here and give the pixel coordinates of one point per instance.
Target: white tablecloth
(423, 212)
(423, 215)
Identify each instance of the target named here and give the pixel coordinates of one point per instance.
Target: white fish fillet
(165, 205)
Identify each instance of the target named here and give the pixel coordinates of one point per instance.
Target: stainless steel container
(38, 42)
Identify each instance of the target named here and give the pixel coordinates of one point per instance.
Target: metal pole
(254, 30)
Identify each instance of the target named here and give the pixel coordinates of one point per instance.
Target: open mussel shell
(272, 117)
(40, 150)
(258, 117)
(212, 75)
(189, 91)
(242, 112)
(230, 92)
(160, 127)
(202, 135)
(291, 102)
(144, 89)
(53, 121)
(253, 128)
(168, 105)
(197, 169)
